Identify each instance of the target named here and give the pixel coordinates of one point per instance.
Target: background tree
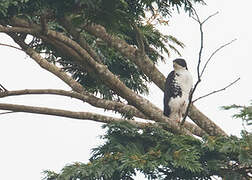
(106, 53)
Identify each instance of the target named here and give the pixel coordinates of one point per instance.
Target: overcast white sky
(32, 143)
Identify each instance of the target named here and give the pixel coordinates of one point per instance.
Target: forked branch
(216, 91)
(200, 73)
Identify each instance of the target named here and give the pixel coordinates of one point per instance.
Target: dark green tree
(159, 154)
(106, 51)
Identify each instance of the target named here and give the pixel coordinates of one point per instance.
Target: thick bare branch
(17, 30)
(66, 23)
(155, 74)
(143, 62)
(61, 113)
(133, 111)
(117, 86)
(72, 114)
(140, 39)
(114, 83)
(46, 65)
(100, 103)
(105, 104)
(44, 25)
(92, 100)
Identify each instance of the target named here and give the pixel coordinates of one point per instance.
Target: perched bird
(178, 87)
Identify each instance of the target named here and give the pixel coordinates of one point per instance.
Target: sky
(32, 143)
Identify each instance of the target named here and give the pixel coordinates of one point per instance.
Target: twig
(1, 44)
(210, 17)
(3, 88)
(216, 91)
(218, 49)
(7, 112)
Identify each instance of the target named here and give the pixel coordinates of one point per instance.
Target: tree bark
(84, 57)
(149, 68)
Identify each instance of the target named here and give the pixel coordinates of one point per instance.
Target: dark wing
(168, 92)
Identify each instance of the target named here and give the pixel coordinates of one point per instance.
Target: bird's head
(179, 64)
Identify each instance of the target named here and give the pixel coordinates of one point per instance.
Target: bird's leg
(179, 117)
(184, 109)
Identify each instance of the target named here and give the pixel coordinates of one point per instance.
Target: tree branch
(104, 73)
(43, 22)
(205, 123)
(61, 113)
(143, 62)
(105, 104)
(153, 72)
(116, 85)
(67, 24)
(216, 91)
(3, 88)
(9, 112)
(218, 49)
(197, 19)
(92, 100)
(139, 38)
(46, 65)
(209, 17)
(17, 30)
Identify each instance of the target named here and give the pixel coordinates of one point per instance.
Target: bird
(178, 86)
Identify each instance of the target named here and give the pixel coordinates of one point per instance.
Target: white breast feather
(178, 104)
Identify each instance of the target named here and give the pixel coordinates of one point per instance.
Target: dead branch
(217, 50)
(209, 124)
(216, 91)
(197, 19)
